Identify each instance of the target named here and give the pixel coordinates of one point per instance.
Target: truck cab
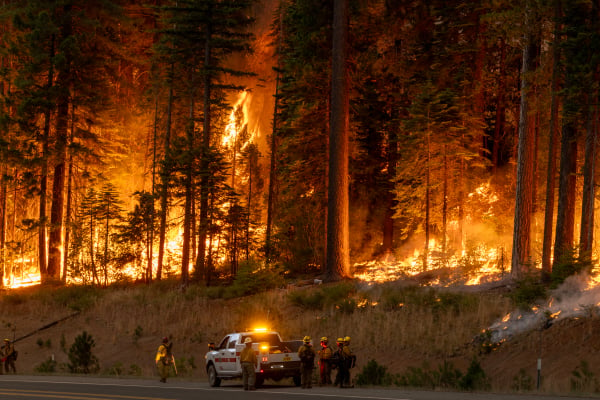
(276, 359)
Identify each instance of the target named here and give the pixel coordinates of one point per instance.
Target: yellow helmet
(324, 339)
(340, 340)
(306, 339)
(347, 339)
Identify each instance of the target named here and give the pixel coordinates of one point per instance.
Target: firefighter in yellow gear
(249, 363)
(340, 377)
(9, 356)
(349, 360)
(307, 361)
(163, 359)
(325, 355)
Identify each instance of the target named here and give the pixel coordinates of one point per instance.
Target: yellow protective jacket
(161, 354)
(248, 355)
(325, 353)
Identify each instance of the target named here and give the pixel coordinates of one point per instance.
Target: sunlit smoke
(577, 297)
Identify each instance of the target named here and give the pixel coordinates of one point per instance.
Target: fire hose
(50, 325)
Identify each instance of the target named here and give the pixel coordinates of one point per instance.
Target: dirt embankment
(128, 323)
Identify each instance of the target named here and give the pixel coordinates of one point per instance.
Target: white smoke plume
(577, 297)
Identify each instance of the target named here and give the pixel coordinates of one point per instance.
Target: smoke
(577, 297)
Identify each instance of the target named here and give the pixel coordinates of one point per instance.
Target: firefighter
(163, 359)
(325, 355)
(307, 360)
(349, 361)
(249, 363)
(9, 357)
(340, 377)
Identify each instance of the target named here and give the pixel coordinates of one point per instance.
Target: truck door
(222, 358)
(229, 355)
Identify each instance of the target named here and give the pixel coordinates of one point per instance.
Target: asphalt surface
(97, 388)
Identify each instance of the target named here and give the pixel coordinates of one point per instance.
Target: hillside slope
(398, 326)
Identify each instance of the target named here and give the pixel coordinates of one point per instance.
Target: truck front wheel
(297, 380)
(213, 379)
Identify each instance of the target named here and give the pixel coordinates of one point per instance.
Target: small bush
(530, 290)
(135, 370)
(583, 379)
(77, 298)
(137, 333)
(522, 382)
(475, 378)
(374, 374)
(308, 299)
(116, 369)
(47, 367)
(417, 377)
(80, 355)
(447, 376)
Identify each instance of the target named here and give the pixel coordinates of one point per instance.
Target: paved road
(84, 388)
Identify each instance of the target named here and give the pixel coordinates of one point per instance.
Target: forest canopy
(191, 139)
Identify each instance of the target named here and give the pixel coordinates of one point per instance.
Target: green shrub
(475, 378)
(583, 379)
(417, 377)
(447, 376)
(571, 263)
(374, 374)
(135, 370)
(80, 355)
(137, 333)
(48, 366)
(309, 299)
(77, 298)
(529, 291)
(522, 382)
(116, 369)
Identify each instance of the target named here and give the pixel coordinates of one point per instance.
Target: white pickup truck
(276, 359)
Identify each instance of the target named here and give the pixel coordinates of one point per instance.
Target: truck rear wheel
(213, 379)
(259, 381)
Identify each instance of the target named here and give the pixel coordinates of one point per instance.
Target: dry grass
(396, 325)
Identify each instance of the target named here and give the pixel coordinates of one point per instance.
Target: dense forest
(197, 139)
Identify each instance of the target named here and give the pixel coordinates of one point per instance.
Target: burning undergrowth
(578, 297)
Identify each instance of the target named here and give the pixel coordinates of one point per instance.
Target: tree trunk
(500, 111)
(272, 176)
(203, 273)
(43, 259)
(58, 189)
(525, 165)
(165, 178)
(338, 257)
(587, 205)
(552, 151)
(565, 215)
(187, 214)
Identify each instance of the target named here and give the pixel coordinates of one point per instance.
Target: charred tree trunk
(187, 216)
(69, 201)
(165, 181)
(203, 273)
(62, 120)
(587, 205)
(43, 259)
(525, 164)
(500, 111)
(552, 151)
(390, 200)
(272, 176)
(565, 217)
(338, 261)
